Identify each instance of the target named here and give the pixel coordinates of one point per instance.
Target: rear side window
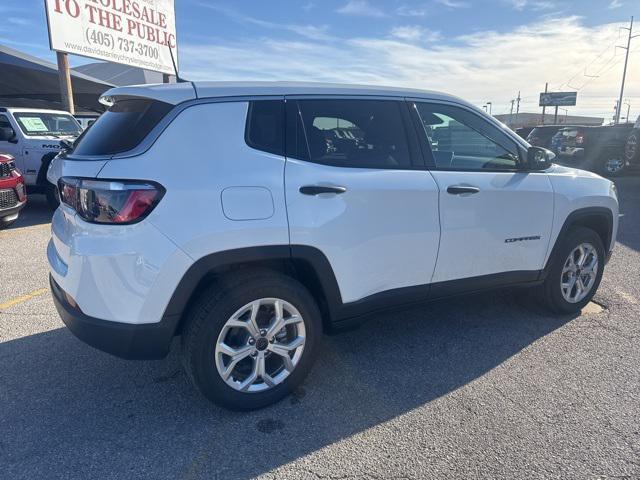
(265, 126)
(122, 127)
(355, 133)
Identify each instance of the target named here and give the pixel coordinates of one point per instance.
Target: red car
(13, 195)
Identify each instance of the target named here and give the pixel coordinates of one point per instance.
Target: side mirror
(539, 158)
(7, 135)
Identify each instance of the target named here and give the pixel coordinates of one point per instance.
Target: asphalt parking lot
(485, 387)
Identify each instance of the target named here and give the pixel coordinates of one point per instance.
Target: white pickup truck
(34, 137)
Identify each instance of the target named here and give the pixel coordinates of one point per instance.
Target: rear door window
(355, 133)
(122, 127)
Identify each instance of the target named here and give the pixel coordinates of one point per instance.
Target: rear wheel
(251, 340)
(575, 275)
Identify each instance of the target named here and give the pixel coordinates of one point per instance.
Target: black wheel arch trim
(572, 219)
(313, 269)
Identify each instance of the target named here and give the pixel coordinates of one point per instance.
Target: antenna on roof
(175, 67)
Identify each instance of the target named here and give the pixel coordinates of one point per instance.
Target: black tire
(613, 166)
(209, 315)
(51, 191)
(551, 291)
(632, 148)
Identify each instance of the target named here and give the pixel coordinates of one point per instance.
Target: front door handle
(462, 189)
(318, 189)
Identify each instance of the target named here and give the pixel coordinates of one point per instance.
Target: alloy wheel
(579, 273)
(260, 345)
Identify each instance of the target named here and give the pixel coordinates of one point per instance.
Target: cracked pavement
(487, 386)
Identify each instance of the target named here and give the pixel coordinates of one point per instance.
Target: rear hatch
(120, 132)
(132, 115)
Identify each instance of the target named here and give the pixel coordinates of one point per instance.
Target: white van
(34, 137)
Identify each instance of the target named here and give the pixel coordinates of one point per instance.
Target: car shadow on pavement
(629, 197)
(69, 411)
(35, 212)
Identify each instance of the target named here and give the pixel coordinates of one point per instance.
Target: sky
(481, 50)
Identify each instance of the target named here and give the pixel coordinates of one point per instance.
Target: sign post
(66, 89)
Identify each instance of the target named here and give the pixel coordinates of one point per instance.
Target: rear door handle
(462, 189)
(318, 189)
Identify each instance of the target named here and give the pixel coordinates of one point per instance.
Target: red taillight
(110, 201)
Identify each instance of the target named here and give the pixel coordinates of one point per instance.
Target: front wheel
(575, 274)
(251, 340)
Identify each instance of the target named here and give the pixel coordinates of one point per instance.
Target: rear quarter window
(265, 126)
(122, 127)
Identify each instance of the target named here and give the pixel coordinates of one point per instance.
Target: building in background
(27, 81)
(529, 120)
(120, 75)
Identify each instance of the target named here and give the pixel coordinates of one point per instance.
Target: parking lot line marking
(22, 298)
(18, 231)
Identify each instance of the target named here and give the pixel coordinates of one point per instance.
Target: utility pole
(628, 104)
(518, 108)
(544, 109)
(624, 74)
(511, 113)
(490, 108)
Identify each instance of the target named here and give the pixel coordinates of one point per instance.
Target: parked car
(541, 136)
(34, 137)
(86, 120)
(600, 149)
(13, 196)
(632, 147)
(301, 216)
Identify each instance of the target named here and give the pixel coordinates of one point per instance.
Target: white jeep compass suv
(250, 218)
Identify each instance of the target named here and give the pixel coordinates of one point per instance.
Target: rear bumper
(133, 342)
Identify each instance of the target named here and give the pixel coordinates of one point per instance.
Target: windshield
(41, 123)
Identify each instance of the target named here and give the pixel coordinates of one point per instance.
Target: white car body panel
(381, 234)
(189, 222)
(576, 189)
(478, 229)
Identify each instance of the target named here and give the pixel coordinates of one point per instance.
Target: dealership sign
(558, 99)
(140, 33)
